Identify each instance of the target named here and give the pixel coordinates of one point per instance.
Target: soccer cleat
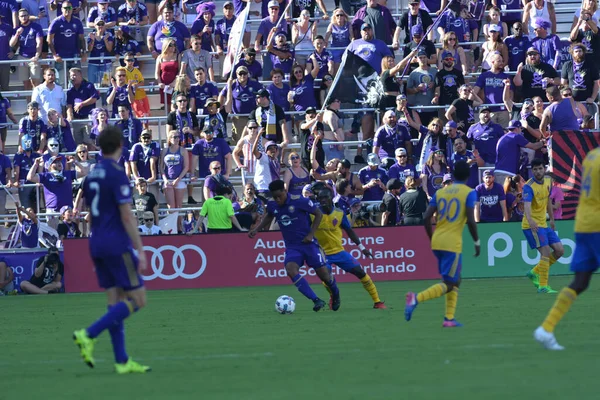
(546, 339)
(546, 289)
(131, 367)
(380, 305)
(451, 323)
(336, 302)
(86, 346)
(411, 304)
(319, 304)
(534, 278)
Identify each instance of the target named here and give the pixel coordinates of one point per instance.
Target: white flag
(168, 225)
(235, 42)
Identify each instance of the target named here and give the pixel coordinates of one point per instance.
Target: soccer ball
(285, 305)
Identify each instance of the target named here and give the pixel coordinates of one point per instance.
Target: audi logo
(157, 262)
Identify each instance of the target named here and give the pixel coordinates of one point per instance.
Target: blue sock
(332, 285)
(304, 287)
(116, 314)
(117, 337)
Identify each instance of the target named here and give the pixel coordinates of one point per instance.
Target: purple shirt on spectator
(451, 21)
(238, 6)
(485, 138)
(489, 200)
(132, 128)
(66, 36)
(78, 95)
(63, 134)
(206, 37)
(473, 180)
(493, 86)
(7, 8)
(284, 64)
(366, 175)
(401, 172)
(223, 29)
(35, 129)
(304, 94)
(389, 139)
(58, 192)
(517, 48)
(141, 156)
(508, 152)
(215, 150)
(109, 16)
(138, 13)
(27, 39)
(121, 98)
(371, 52)
(6, 32)
(203, 92)
(29, 234)
(24, 162)
(265, 29)
(254, 70)
(4, 163)
(121, 161)
(434, 180)
(323, 60)
(279, 96)
(100, 50)
(4, 106)
(175, 29)
(244, 97)
(549, 48)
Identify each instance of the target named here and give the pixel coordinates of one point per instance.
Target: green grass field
(230, 344)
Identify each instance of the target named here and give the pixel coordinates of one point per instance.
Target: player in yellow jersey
(539, 235)
(586, 257)
(329, 236)
(455, 206)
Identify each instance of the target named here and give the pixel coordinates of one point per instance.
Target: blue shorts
(119, 271)
(449, 265)
(344, 260)
(586, 257)
(311, 254)
(543, 237)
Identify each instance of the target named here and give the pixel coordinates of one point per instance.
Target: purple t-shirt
(4, 105)
(517, 50)
(549, 48)
(141, 156)
(29, 234)
(66, 36)
(4, 164)
(389, 139)
(279, 96)
(451, 22)
(207, 152)
(109, 16)
(265, 29)
(254, 70)
(284, 64)
(223, 29)
(58, 192)
(401, 172)
(508, 152)
(100, 50)
(485, 138)
(434, 180)
(78, 95)
(203, 92)
(35, 129)
(105, 188)
(244, 97)
(46, 156)
(121, 98)
(63, 134)
(304, 94)
(206, 37)
(493, 86)
(365, 175)
(132, 128)
(489, 200)
(28, 39)
(370, 51)
(6, 32)
(24, 162)
(161, 30)
(322, 60)
(473, 180)
(7, 7)
(138, 12)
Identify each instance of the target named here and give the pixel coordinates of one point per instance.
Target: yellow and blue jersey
(451, 203)
(587, 218)
(329, 233)
(537, 193)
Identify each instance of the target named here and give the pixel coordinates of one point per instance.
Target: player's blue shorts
(311, 254)
(119, 271)
(543, 237)
(449, 265)
(586, 256)
(344, 260)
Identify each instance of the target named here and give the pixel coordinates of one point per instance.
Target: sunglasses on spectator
(67, 8)
(181, 100)
(328, 79)
(172, 45)
(297, 72)
(216, 168)
(129, 60)
(340, 15)
(435, 125)
(449, 59)
(253, 127)
(52, 145)
(82, 152)
(294, 158)
(148, 220)
(242, 73)
(451, 39)
(120, 75)
(439, 152)
(175, 137)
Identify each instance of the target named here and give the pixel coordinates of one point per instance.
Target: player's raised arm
(470, 206)
(431, 209)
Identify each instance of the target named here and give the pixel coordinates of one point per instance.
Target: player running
(329, 235)
(114, 230)
(293, 217)
(586, 257)
(539, 236)
(455, 205)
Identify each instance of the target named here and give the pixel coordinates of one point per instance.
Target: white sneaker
(547, 339)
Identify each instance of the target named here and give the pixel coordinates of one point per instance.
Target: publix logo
(501, 245)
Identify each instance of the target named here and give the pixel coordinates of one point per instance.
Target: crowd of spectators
(405, 159)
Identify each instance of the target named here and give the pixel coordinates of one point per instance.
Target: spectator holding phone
(47, 275)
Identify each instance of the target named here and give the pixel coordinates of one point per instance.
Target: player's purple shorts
(311, 254)
(119, 271)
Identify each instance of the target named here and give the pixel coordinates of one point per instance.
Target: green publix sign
(505, 252)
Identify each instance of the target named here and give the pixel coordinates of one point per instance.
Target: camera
(366, 210)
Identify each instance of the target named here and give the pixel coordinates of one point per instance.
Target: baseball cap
(422, 53)
(346, 163)
(373, 159)
(401, 97)
(393, 184)
(263, 93)
(103, 1)
(494, 28)
(447, 178)
(414, 2)
(270, 143)
(400, 151)
(484, 108)
(98, 20)
(514, 124)
(124, 29)
(211, 101)
(353, 201)
(451, 124)
(251, 51)
(532, 50)
(365, 26)
(488, 172)
(227, 3)
(241, 68)
(447, 54)
(527, 101)
(64, 209)
(310, 110)
(416, 30)
(146, 132)
(273, 3)
(53, 159)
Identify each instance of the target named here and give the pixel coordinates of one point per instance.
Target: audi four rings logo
(179, 262)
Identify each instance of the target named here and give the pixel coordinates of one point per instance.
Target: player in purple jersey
(117, 251)
(293, 217)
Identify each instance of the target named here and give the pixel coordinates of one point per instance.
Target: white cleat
(547, 339)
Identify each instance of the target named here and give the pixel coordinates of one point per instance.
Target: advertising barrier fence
(401, 253)
(23, 264)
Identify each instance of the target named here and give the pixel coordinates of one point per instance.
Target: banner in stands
(567, 151)
(202, 261)
(22, 264)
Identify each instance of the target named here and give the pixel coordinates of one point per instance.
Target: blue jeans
(96, 72)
